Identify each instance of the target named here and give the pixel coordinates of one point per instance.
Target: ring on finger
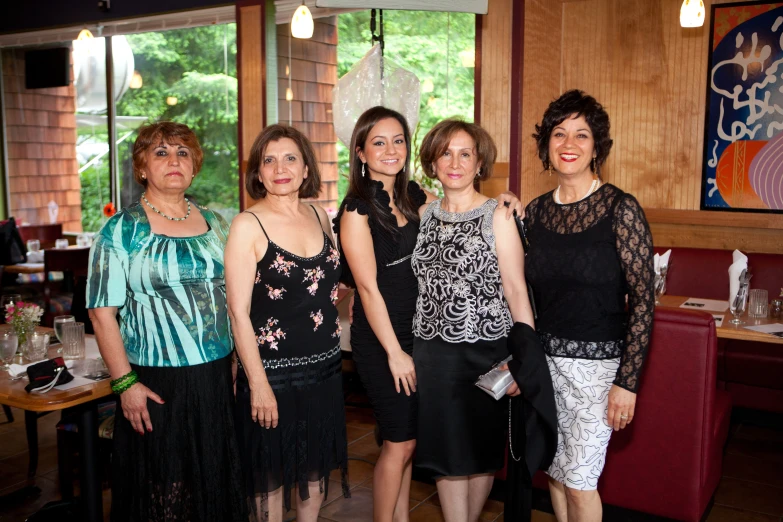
(623, 416)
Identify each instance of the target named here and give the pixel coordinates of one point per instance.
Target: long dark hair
(360, 187)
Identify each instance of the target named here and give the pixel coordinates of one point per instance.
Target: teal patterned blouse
(170, 291)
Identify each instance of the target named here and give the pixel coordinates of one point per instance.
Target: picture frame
(743, 131)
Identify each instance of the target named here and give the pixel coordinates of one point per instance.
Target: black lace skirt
(188, 467)
(310, 439)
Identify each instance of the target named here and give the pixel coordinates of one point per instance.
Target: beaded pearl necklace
(144, 197)
(593, 187)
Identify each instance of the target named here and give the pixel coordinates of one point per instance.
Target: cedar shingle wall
(42, 164)
(313, 75)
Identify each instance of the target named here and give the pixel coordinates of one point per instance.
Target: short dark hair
(311, 186)
(168, 132)
(575, 103)
(437, 140)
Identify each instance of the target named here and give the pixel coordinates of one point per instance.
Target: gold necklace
(144, 197)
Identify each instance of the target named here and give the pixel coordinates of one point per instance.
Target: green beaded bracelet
(122, 384)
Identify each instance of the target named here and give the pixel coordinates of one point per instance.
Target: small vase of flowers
(23, 318)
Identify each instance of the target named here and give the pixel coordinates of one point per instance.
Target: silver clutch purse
(495, 382)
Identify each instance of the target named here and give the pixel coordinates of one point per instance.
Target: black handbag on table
(43, 375)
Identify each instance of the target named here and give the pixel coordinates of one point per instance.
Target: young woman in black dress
(377, 226)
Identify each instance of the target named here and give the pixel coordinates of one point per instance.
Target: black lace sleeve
(635, 250)
(417, 194)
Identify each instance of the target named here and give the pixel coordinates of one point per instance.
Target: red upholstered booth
(668, 462)
(751, 372)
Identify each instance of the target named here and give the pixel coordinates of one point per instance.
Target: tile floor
(751, 489)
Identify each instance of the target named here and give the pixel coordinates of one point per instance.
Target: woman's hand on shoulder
(134, 406)
(512, 203)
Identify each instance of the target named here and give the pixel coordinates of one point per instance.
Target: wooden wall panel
(650, 74)
(540, 85)
(251, 67)
(313, 73)
(496, 84)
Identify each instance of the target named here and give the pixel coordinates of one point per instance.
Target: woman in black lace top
(590, 247)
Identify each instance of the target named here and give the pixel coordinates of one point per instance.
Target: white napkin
(740, 263)
(661, 260)
(16, 370)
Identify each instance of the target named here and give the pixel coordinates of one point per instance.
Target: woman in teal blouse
(157, 300)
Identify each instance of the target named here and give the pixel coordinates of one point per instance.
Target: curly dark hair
(575, 103)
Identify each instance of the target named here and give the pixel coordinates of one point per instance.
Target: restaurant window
(438, 47)
(59, 159)
(187, 76)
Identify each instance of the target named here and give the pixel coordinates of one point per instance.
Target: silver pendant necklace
(144, 197)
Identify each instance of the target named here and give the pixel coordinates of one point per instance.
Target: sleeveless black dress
(396, 413)
(298, 336)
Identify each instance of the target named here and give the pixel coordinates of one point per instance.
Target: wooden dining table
(79, 401)
(731, 331)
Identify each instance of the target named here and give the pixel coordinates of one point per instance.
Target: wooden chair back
(46, 234)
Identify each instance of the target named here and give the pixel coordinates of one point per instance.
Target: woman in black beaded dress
(590, 247)
(282, 275)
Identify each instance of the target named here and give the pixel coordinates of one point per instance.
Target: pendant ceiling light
(302, 23)
(84, 34)
(136, 81)
(692, 13)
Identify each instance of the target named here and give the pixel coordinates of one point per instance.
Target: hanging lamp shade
(302, 23)
(692, 13)
(84, 34)
(136, 81)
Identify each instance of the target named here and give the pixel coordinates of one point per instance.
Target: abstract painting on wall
(743, 136)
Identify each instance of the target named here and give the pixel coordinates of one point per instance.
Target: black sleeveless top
(293, 314)
(582, 261)
(395, 278)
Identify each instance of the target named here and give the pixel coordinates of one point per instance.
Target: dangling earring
(549, 168)
(593, 164)
(363, 174)
(478, 173)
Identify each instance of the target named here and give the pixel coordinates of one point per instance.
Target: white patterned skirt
(582, 397)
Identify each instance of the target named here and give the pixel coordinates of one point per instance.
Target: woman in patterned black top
(282, 275)
(590, 247)
(470, 268)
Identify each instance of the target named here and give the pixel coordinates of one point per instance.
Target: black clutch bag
(47, 374)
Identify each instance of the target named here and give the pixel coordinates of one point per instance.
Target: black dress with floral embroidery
(298, 336)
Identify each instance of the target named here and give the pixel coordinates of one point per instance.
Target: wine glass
(7, 299)
(33, 245)
(737, 307)
(58, 323)
(8, 344)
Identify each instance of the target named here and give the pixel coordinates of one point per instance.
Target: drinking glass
(758, 306)
(737, 306)
(61, 243)
(8, 343)
(83, 240)
(7, 299)
(73, 340)
(58, 323)
(37, 347)
(33, 245)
